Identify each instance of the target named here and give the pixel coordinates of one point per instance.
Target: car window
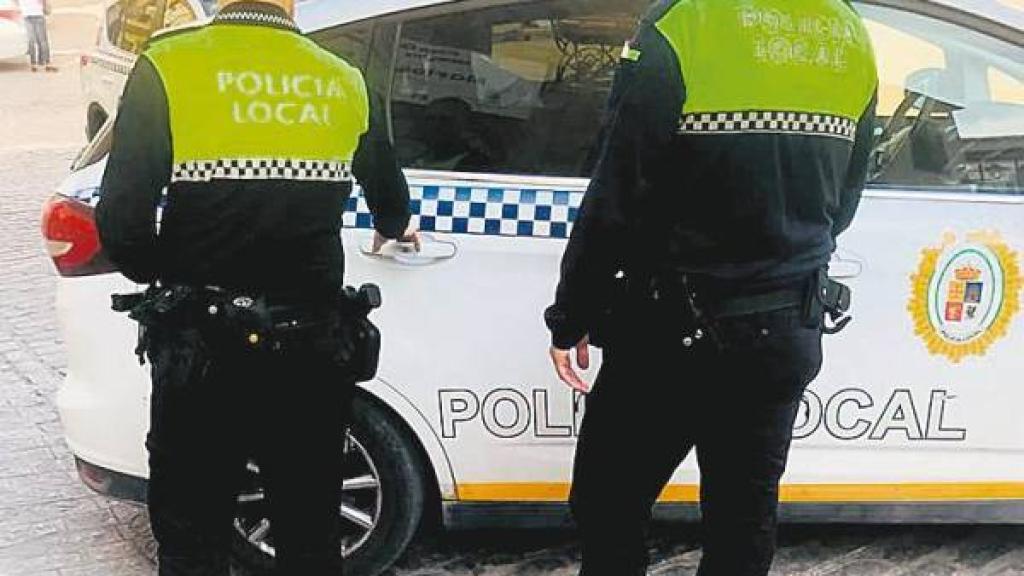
(1005, 88)
(513, 90)
(178, 12)
(951, 106)
(351, 42)
(141, 19)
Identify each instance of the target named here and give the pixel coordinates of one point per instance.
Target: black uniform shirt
(744, 212)
(276, 236)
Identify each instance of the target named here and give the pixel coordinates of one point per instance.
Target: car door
(103, 78)
(495, 112)
(919, 396)
(130, 23)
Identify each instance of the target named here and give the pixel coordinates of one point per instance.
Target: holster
(827, 304)
(153, 308)
(361, 338)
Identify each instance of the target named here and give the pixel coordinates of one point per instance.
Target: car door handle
(845, 265)
(433, 250)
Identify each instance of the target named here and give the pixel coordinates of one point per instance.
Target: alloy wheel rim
(361, 503)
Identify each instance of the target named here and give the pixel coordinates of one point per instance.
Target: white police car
(495, 108)
(13, 36)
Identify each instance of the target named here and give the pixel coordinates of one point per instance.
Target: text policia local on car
(849, 414)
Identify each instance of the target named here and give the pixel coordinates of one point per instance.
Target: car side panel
(13, 40)
(464, 338)
(465, 342)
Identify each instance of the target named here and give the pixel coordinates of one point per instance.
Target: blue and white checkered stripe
(482, 211)
(463, 210)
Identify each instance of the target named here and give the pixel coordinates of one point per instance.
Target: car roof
(315, 15)
(1007, 12)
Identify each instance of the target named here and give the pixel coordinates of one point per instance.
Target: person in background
(35, 12)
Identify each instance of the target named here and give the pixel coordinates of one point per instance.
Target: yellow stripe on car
(807, 493)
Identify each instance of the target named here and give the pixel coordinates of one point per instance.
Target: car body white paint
(464, 361)
(13, 35)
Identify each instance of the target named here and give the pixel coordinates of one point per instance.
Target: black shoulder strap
(657, 11)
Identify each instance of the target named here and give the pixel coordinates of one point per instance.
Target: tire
(94, 120)
(394, 460)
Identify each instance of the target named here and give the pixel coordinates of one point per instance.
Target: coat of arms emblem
(965, 294)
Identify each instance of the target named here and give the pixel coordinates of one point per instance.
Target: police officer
(735, 152)
(255, 132)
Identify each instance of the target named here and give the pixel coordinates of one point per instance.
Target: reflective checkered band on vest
(262, 169)
(760, 122)
(256, 18)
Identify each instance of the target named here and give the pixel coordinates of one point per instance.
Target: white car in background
(125, 26)
(13, 36)
(916, 417)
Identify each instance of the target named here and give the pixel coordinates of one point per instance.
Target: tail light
(72, 240)
(94, 477)
(12, 14)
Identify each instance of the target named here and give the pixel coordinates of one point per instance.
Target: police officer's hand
(411, 236)
(563, 364)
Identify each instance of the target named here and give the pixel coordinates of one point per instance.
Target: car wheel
(383, 497)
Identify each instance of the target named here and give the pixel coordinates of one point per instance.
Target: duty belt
(822, 302)
(757, 303)
(706, 302)
(246, 317)
(708, 311)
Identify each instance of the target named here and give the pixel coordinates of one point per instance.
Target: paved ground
(50, 525)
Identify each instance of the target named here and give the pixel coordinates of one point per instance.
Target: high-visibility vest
(801, 66)
(258, 102)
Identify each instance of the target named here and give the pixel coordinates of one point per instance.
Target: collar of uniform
(256, 13)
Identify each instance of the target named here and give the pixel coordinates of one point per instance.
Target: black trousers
(655, 400)
(211, 411)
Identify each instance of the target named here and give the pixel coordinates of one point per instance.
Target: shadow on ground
(13, 66)
(804, 550)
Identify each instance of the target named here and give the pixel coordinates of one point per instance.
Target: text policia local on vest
(280, 98)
